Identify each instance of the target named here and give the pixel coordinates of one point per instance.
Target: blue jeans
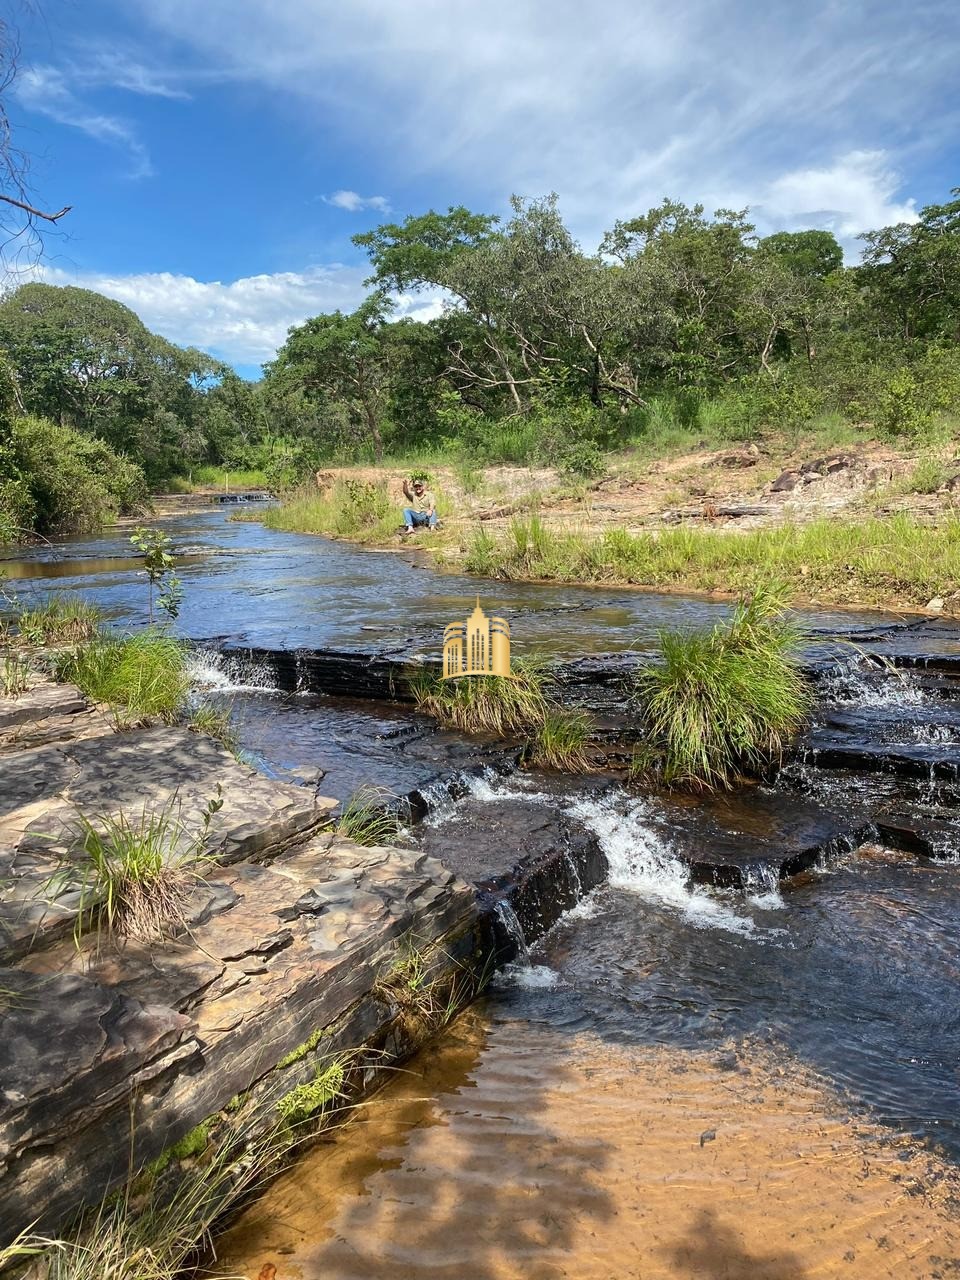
(412, 519)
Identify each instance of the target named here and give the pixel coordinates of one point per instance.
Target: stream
(676, 1079)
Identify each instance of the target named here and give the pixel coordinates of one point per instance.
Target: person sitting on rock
(422, 510)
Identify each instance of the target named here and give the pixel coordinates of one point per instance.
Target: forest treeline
(681, 326)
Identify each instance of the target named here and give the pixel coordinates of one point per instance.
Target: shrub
(70, 482)
(725, 700)
(139, 676)
(582, 459)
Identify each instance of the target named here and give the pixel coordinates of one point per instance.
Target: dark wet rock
(753, 838)
(531, 860)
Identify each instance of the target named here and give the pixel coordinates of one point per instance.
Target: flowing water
(676, 1081)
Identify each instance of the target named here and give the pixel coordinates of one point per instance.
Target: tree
(20, 237)
(912, 272)
(346, 358)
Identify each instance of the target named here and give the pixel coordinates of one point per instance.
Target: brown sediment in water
(520, 1151)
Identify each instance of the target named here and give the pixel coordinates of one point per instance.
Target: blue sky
(219, 154)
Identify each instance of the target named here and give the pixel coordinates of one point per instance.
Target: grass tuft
(134, 877)
(139, 677)
(164, 1234)
(562, 741)
(725, 700)
(14, 676)
(217, 723)
(487, 704)
(367, 817)
(63, 619)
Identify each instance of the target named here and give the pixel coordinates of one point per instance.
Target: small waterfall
(869, 684)
(512, 932)
(762, 884)
(213, 672)
(641, 862)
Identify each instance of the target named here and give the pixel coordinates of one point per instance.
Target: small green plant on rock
(367, 817)
(134, 877)
(159, 563)
(312, 1098)
(215, 722)
(723, 701)
(14, 676)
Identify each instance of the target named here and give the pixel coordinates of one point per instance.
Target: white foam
(211, 672)
(529, 977)
(889, 687)
(641, 862)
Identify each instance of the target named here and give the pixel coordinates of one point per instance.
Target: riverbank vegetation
(871, 561)
(724, 701)
(680, 331)
(140, 677)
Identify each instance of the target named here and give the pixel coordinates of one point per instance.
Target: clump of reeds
(725, 700)
(487, 704)
(140, 676)
(62, 619)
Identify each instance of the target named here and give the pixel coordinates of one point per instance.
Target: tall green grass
(61, 619)
(723, 701)
(871, 561)
(139, 677)
(487, 704)
(353, 509)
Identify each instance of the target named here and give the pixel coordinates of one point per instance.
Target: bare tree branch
(36, 213)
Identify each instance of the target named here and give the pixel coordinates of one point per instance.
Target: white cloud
(243, 321)
(353, 202)
(854, 194)
(45, 90)
(613, 104)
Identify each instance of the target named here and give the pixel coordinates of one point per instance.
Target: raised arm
(406, 490)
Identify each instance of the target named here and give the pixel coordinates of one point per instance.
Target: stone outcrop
(291, 955)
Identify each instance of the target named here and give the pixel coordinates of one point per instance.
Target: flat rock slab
(44, 791)
(48, 712)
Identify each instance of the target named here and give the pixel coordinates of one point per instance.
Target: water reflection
(262, 587)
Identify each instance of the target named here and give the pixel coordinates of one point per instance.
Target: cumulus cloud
(243, 321)
(45, 90)
(353, 203)
(612, 105)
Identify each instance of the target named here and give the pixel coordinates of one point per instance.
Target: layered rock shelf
(292, 957)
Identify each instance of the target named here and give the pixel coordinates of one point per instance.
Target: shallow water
(262, 587)
(684, 1083)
